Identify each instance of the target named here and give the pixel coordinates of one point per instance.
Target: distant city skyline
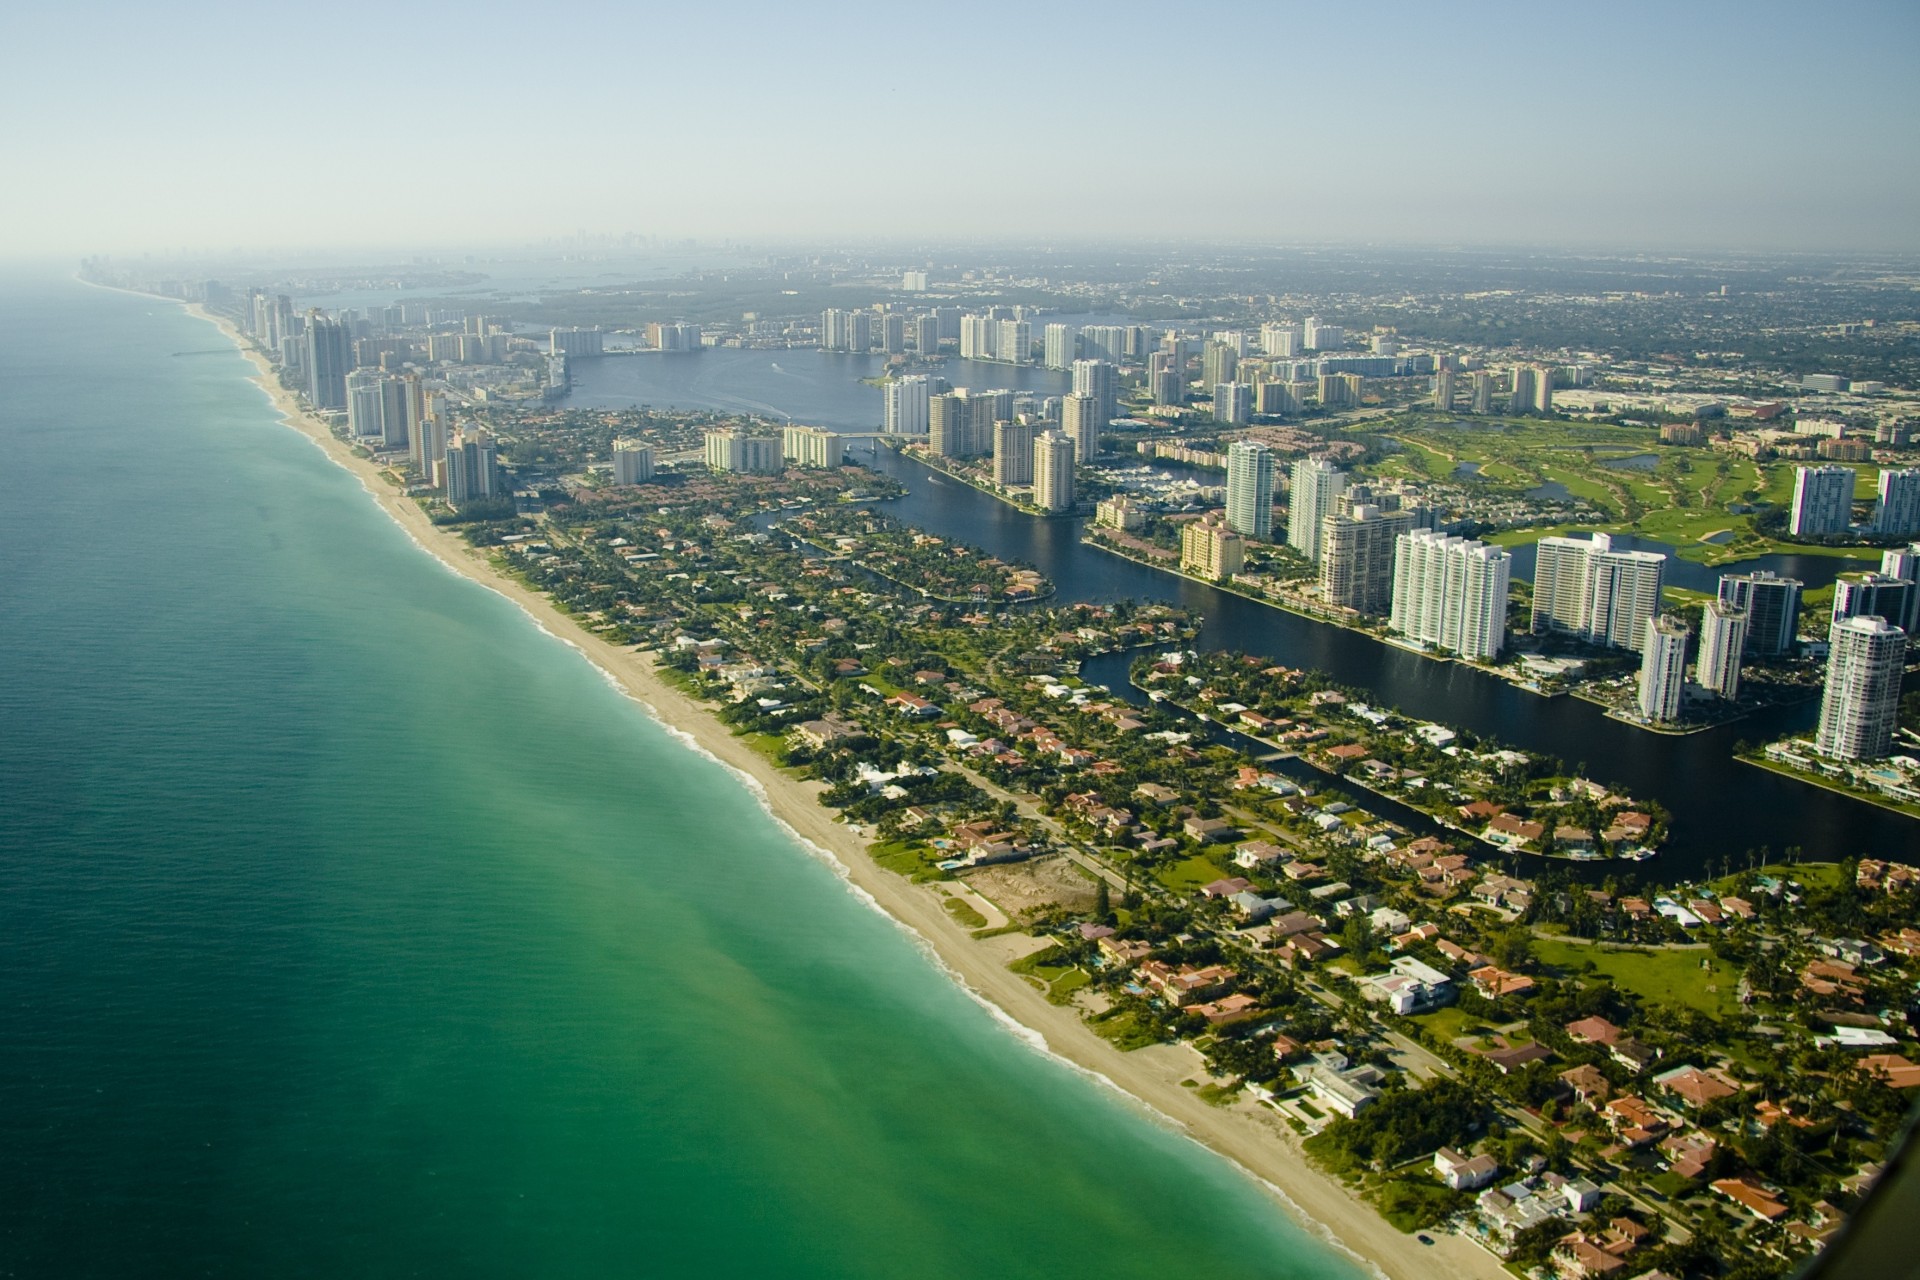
(1712, 126)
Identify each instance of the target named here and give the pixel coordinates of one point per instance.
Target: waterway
(1722, 809)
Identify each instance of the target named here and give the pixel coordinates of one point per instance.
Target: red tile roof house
(1228, 1010)
(1892, 1069)
(1695, 1087)
(1635, 1121)
(1495, 982)
(1689, 1154)
(1760, 1203)
(1595, 1030)
(1187, 985)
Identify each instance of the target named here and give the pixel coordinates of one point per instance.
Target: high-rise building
(327, 360)
(977, 337)
(1210, 549)
(1053, 472)
(860, 331)
(1281, 340)
(1822, 501)
(906, 406)
(576, 343)
(1772, 606)
(1015, 342)
(1250, 490)
(947, 434)
(1323, 337)
(1013, 450)
(632, 462)
(1663, 668)
(1101, 380)
(984, 409)
(1904, 563)
(1897, 511)
(1543, 390)
(363, 403)
(733, 450)
(1451, 593)
(1443, 390)
(1232, 403)
(473, 470)
(1356, 556)
(1312, 493)
(1274, 399)
(913, 281)
(1861, 704)
(1080, 422)
(835, 330)
(1482, 392)
(813, 447)
(893, 333)
(1586, 588)
(1337, 389)
(1102, 342)
(1062, 343)
(1218, 363)
(394, 412)
(1521, 393)
(1723, 639)
(1862, 595)
(926, 334)
(429, 443)
(1164, 383)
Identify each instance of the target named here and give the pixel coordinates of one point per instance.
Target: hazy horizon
(1623, 128)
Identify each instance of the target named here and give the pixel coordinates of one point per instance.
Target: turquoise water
(351, 925)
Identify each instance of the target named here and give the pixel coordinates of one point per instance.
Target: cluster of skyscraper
(365, 367)
(1823, 502)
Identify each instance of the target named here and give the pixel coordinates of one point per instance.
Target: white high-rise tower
(1862, 699)
(1250, 490)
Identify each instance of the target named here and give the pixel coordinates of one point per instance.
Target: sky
(1685, 126)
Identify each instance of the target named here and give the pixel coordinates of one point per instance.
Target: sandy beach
(1246, 1134)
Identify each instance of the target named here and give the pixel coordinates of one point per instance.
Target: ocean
(350, 924)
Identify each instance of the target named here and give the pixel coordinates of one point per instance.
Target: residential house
(1588, 1085)
(1187, 984)
(1209, 830)
(1594, 1030)
(1494, 982)
(1633, 1054)
(1758, 1201)
(1120, 953)
(1689, 1154)
(1228, 1010)
(1694, 1087)
(1339, 1087)
(1464, 1173)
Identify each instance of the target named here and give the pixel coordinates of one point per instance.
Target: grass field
(1683, 498)
(1187, 875)
(1672, 978)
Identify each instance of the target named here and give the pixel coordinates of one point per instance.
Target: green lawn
(1448, 1024)
(1187, 875)
(1656, 977)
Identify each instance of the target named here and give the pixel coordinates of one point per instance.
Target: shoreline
(1254, 1140)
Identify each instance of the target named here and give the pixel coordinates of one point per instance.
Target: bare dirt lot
(1022, 888)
